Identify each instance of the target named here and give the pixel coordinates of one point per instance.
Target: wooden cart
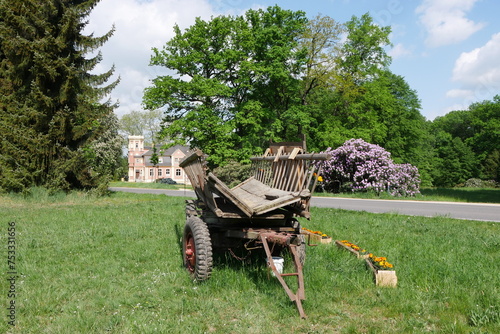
(257, 213)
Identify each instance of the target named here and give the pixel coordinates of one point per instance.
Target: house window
(138, 161)
(151, 172)
(167, 172)
(178, 172)
(160, 172)
(136, 145)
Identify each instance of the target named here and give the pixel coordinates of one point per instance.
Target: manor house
(141, 169)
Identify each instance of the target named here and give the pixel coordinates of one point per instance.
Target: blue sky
(447, 50)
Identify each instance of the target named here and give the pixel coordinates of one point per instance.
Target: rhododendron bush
(361, 166)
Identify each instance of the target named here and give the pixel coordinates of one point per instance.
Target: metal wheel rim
(190, 253)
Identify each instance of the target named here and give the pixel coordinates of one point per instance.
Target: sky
(448, 51)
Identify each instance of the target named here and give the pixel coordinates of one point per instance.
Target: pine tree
(50, 114)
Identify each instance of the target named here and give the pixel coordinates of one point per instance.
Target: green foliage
(478, 128)
(362, 55)
(233, 173)
(104, 153)
(235, 85)
(49, 114)
(466, 144)
(274, 75)
(491, 166)
(321, 40)
(454, 163)
(478, 183)
(369, 101)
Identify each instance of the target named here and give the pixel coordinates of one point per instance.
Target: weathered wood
(280, 180)
(194, 167)
(382, 277)
(250, 196)
(349, 249)
(219, 185)
(304, 156)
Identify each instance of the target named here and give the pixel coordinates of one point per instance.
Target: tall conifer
(50, 109)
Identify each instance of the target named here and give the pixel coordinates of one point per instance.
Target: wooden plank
(197, 154)
(349, 249)
(219, 185)
(305, 156)
(277, 203)
(383, 277)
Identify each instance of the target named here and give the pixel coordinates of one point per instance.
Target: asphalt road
(470, 211)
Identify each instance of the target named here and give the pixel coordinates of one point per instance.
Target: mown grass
(468, 195)
(113, 265)
(471, 195)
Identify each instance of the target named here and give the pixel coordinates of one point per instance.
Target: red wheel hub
(190, 253)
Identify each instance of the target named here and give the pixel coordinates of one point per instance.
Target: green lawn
(113, 265)
(468, 195)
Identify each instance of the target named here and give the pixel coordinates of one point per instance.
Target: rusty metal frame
(283, 239)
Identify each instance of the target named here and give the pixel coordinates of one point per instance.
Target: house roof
(169, 151)
(165, 155)
(166, 162)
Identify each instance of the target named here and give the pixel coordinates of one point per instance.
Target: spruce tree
(50, 109)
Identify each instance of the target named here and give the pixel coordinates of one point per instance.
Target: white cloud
(140, 25)
(479, 70)
(445, 21)
(457, 106)
(399, 51)
(460, 93)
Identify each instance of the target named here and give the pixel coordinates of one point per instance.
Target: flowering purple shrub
(361, 166)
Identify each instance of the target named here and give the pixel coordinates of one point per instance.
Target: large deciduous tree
(51, 117)
(273, 74)
(362, 59)
(467, 143)
(236, 83)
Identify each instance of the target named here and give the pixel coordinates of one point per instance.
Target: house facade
(141, 169)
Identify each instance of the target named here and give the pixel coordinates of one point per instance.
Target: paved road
(471, 211)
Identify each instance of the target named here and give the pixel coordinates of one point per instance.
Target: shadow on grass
(236, 259)
(465, 195)
(253, 265)
(179, 231)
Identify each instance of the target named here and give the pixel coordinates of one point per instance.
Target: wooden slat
(219, 185)
(305, 156)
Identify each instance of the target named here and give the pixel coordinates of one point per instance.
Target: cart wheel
(197, 249)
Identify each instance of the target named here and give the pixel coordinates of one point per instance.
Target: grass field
(468, 195)
(113, 265)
